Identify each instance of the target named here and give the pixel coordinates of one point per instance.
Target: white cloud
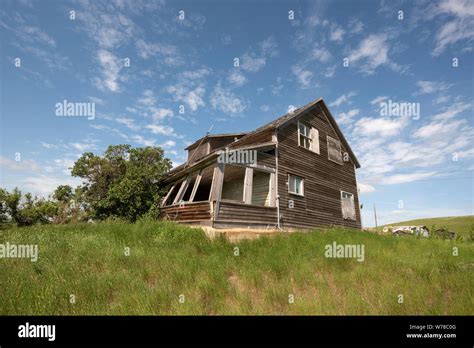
(111, 66)
(129, 123)
(365, 188)
(346, 117)
(147, 50)
(225, 101)
(160, 129)
(265, 108)
(148, 99)
(405, 178)
(345, 98)
(373, 53)
(190, 88)
(252, 63)
(236, 78)
(142, 141)
(303, 76)
(168, 144)
(320, 54)
(82, 147)
(336, 34)
(438, 129)
(43, 185)
(23, 165)
(428, 87)
(452, 111)
(48, 145)
(382, 127)
(378, 100)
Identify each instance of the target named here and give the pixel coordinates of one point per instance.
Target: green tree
(122, 183)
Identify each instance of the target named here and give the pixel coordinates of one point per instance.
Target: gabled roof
(279, 122)
(291, 116)
(207, 136)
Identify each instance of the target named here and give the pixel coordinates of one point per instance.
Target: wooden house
(297, 171)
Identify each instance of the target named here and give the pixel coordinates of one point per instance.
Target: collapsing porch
(223, 195)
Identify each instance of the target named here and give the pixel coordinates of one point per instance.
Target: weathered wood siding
(261, 188)
(198, 152)
(324, 179)
(232, 212)
(188, 212)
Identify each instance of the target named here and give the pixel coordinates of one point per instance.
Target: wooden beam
(248, 183)
(167, 195)
(181, 189)
(196, 184)
(273, 190)
(217, 181)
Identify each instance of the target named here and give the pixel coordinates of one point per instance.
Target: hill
(84, 269)
(462, 225)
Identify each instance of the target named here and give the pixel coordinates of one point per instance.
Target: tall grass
(168, 260)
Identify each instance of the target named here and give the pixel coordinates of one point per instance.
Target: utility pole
(375, 215)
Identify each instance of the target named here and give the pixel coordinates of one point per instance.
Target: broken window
(172, 193)
(233, 185)
(334, 150)
(295, 185)
(308, 137)
(348, 205)
(168, 199)
(261, 182)
(204, 187)
(189, 188)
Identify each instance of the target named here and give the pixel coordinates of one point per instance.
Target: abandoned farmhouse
(297, 171)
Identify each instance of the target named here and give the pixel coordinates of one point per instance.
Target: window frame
(353, 205)
(302, 185)
(340, 151)
(309, 137)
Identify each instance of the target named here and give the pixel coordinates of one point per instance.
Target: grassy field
(168, 261)
(462, 225)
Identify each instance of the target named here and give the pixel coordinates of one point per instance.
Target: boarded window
(295, 185)
(348, 205)
(233, 186)
(261, 188)
(308, 137)
(334, 150)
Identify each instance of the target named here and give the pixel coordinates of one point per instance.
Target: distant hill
(460, 224)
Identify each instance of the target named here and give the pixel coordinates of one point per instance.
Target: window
(261, 184)
(295, 185)
(189, 189)
(233, 183)
(308, 137)
(334, 150)
(204, 188)
(348, 205)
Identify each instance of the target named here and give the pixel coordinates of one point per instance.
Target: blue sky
(181, 82)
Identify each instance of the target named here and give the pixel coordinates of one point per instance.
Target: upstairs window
(348, 205)
(334, 150)
(295, 185)
(308, 137)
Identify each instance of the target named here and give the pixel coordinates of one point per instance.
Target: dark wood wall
(324, 179)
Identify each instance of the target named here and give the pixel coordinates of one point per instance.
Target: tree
(124, 182)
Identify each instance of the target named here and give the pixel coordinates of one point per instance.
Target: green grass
(462, 225)
(168, 260)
